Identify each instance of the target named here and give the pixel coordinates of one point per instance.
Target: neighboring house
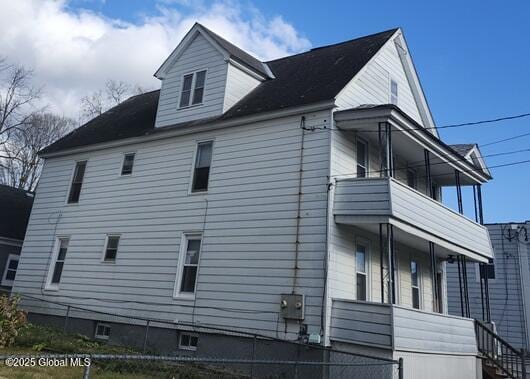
(508, 282)
(15, 207)
(298, 198)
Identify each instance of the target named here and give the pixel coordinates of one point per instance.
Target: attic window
(192, 89)
(393, 92)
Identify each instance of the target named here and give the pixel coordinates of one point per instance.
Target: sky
(472, 57)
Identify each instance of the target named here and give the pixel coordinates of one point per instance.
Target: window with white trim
(362, 272)
(415, 283)
(111, 248)
(201, 167)
(189, 264)
(192, 91)
(102, 331)
(77, 182)
(56, 269)
(188, 341)
(10, 270)
(362, 159)
(128, 163)
(393, 92)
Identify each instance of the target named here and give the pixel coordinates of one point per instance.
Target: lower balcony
(369, 202)
(399, 328)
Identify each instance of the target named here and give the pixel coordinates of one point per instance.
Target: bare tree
(17, 98)
(101, 100)
(22, 165)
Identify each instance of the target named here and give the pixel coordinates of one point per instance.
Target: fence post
(86, 371)
(523, 363)
(146, 336)
(253, 357)
(401, 374)
(66, 319)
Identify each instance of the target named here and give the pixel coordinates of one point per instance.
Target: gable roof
(463, 148)
(312, 77)
(15, 208)
(226, 48)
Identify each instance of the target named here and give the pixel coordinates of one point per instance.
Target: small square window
(102, 331)
(188, 341)
(111, 248)
(128, 162)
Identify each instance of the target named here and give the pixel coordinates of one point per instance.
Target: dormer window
(192, 91)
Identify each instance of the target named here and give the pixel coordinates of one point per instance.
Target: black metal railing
(499, 353)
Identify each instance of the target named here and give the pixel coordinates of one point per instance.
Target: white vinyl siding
(199, 55)
(247, 220)
(372, 84)
(238, 84)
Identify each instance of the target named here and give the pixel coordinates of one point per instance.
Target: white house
(298, 198)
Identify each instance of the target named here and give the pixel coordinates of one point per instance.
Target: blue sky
(472, 58)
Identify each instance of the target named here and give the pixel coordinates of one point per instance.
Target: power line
(485, 121)
(472, 123)
(506, 139)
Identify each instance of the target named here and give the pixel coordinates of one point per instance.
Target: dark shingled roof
(238, 54)
(15, 208)
(463, 148)
(312, 77)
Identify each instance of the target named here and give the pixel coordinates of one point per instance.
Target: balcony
(398, 328)
(367, 202)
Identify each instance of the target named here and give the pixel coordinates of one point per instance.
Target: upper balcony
(372, 201)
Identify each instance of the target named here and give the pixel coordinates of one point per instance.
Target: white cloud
(74, 51)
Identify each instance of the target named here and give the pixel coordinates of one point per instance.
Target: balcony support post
(391, 262)
(434, 281)
(475, 202)
(459, 192)
(385, 149)
(480, 211)
(460, 285)
(466, 288)
(381, 261)
(428, 177)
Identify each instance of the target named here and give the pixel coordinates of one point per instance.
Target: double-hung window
(77, 182)
(188, 264)
(56, 269)
(10, 270)
(128, 163)
(393, 92)
(111, 248)
(192, 91)
(201, 169)
(362, 159)
(362, 272)
(415, 283)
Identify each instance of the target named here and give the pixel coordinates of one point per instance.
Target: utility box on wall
(292, 306)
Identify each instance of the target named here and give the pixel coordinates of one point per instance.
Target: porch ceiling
(409, 141)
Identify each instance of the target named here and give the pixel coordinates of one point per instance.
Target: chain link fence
(118, 346)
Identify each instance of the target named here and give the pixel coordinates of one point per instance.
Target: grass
(35, 339)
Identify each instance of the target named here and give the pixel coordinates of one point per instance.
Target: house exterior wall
(372, 84)
(507, 300)
(248, 221)
(238, 84)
